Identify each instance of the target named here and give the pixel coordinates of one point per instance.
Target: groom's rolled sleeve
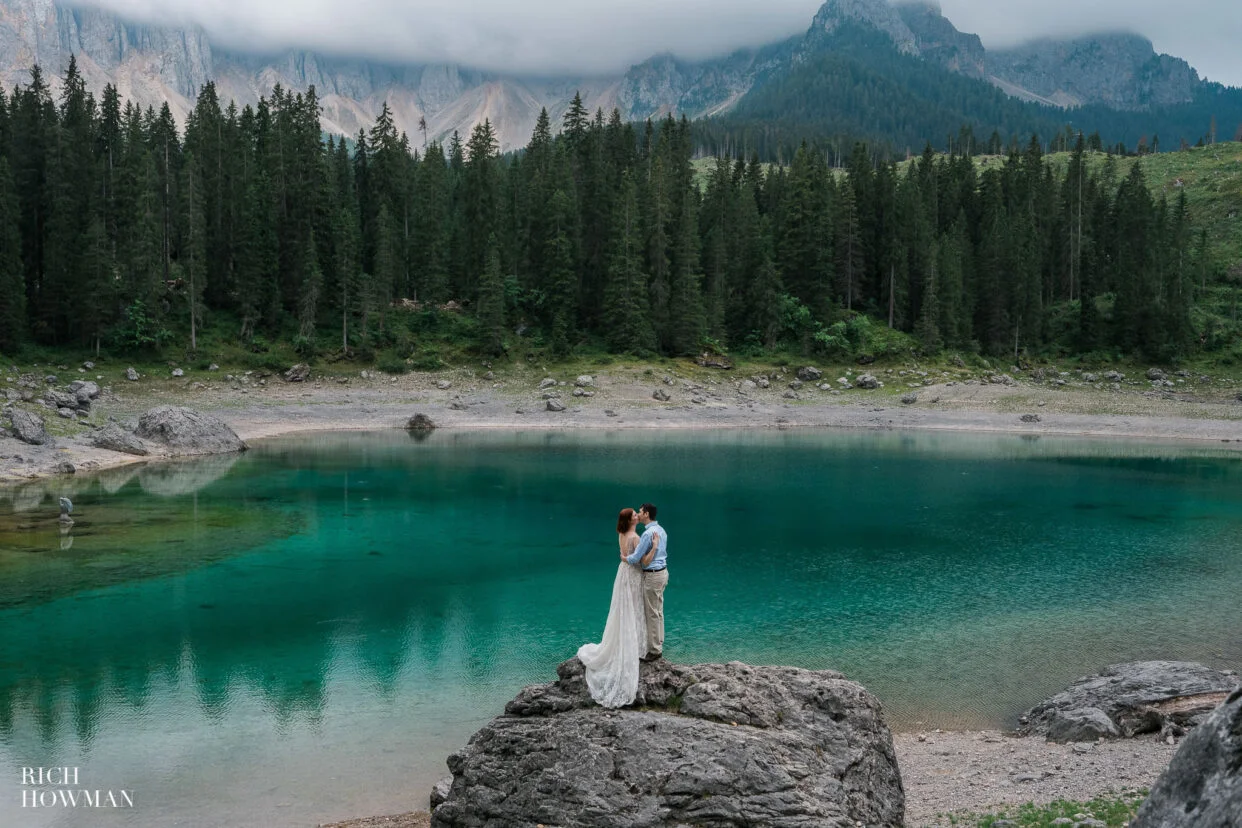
(644, 546)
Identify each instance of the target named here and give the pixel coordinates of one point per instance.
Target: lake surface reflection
(303, 633)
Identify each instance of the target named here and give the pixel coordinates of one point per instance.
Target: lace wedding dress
(612, 664)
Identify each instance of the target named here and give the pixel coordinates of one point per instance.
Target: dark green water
(305, 632)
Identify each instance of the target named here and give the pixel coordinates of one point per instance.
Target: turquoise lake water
(303, 633)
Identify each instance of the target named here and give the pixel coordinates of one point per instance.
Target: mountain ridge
(154, 64)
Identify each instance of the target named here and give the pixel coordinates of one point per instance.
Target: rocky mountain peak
(939, 41)
(877, 14)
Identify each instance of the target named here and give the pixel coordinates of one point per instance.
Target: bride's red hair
(623, 520)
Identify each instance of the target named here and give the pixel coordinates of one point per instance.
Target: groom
(652, 555)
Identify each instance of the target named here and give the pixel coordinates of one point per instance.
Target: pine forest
(119, 233)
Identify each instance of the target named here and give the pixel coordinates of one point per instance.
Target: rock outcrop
(1202, 787)
(712, 744)
(1126, 700)
(185, 431)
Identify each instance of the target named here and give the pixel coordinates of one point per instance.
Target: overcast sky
(605, 36)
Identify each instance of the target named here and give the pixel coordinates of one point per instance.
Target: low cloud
(536, 37)
(607, 36)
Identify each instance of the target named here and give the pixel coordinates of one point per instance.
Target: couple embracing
(634, 630)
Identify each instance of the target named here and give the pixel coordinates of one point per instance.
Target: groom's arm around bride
(651, 555)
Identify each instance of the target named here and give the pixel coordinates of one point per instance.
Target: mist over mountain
(152, 65)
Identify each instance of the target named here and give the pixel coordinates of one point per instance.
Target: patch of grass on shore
(1114, 810)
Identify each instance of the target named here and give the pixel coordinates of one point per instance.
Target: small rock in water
(420, 422)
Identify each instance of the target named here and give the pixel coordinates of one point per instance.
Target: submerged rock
(1202, 787)
(1138, 697)
(186, 431)
(712, 744)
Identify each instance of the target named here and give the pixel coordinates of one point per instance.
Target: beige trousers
(653, 608)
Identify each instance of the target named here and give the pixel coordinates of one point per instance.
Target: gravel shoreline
(258, 406)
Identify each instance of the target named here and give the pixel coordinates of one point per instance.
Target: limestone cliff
(1122, 71)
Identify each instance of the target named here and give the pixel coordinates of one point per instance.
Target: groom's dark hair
(650, 509)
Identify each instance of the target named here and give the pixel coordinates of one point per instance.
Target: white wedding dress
(612, 664)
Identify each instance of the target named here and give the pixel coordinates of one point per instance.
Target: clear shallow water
(305, 632)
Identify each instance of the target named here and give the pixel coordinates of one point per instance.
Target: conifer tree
(627, 315)
(193, 255)
(98, 264)
(491, 311)
(12, 283)
(686, 299)
(312, 286)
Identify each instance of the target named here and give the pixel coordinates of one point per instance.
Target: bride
(612, 664)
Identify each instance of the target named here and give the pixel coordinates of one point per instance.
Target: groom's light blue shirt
(655, 535)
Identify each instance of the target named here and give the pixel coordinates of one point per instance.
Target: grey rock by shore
(28, 428)
(711, 744)
(185, 431)
(1125, 700)
(115, 438)
(1202, 787)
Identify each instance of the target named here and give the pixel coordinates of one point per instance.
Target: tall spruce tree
(12, 282)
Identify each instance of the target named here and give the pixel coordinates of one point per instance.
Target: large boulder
(1202, 787)
(114, 438)
(712, 744)
(62, 399)
(186, 431)
(1129, 699)
(28, 428)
